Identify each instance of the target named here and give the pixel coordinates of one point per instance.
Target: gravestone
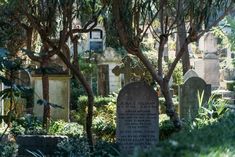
(190, 73)
(188, 94)
(137, 117)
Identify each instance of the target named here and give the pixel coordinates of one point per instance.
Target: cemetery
(116, 78)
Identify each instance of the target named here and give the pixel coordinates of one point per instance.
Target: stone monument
(137, 117)
(107, 81)
(59, 93)
(188, 95)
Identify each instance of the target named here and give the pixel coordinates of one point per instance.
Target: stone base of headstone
(47, 144)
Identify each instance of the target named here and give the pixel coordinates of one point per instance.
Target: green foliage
(28, 125)
(104, 116)
(166, 127)
(104, 125)
(79, 147)
(212, 138)
(177, 74)
(64, 128)
(162, 105)
(225, 32)
(82, 104)
(8, 149)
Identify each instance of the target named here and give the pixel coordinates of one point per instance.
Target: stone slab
(137, 117)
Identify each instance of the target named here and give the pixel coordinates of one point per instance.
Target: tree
(53, 22)
(134, 18)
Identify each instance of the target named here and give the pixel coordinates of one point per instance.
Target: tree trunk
(181, 38)
(79, 76)
(45, 93)
(170, 110)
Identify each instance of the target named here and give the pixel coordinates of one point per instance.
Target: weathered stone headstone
(188, 94)
(190, 73)
(137, 117)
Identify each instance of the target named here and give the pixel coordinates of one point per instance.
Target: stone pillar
(103, 80)
(208, 69)
(59, 93)
(108, 82)
(114, 81)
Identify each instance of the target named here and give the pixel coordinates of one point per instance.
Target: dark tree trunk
(170, 110)
(181, 38)
(80, 77)
(45, 93)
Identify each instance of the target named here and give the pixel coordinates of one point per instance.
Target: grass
(214, 138)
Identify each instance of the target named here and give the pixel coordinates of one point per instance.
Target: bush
(63, 128)
(8, 149)
(99, 102)
(104, 125)
(75, 147)
(166, 127)
(28, 125)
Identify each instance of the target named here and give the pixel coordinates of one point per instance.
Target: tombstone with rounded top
(190, 92)
(190, 73)
(137, 117)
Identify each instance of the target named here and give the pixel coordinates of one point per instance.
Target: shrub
(99, 102)
(27, 125)
(78, 146)
(8, 149)
(104, 125)
(63, 128)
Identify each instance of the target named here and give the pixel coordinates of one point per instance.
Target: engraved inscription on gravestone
(137, 117)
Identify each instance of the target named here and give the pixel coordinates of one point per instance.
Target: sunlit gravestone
(137, 117)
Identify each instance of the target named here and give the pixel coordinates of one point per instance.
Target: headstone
(59, 93)
(190, 73)
(137, 117)
(188, 95)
